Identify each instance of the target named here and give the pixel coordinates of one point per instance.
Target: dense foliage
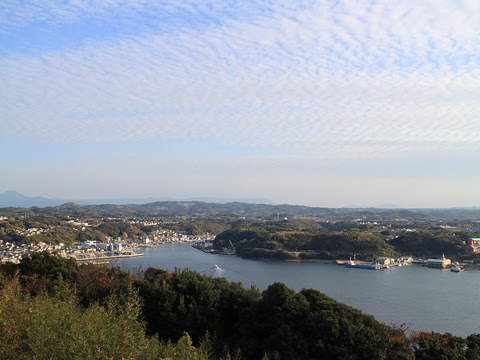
(51, 307)
(120, 229)
(260, 243)
(56, 327)
(429, 242)
(264, 211)
(199, 226)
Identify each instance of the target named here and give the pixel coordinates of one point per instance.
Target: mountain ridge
(12, 198)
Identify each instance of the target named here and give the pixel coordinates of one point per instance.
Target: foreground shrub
(57, 327)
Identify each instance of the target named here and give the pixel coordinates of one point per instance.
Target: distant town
(88, 250)
(362, 238)
(94, 251)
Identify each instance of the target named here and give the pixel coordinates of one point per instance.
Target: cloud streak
(335, 79)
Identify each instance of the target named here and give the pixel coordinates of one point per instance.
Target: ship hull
(366, 267)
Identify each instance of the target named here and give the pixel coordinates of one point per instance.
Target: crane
(233, 247)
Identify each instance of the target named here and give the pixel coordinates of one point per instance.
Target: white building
(103, 246)
(439, 263)
(385, 261)
(88, 243)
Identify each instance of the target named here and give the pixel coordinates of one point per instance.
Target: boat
(216, 267)
(456, 269)
(353, 264)
(368, 267)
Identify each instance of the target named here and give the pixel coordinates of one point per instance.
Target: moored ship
(352, 264)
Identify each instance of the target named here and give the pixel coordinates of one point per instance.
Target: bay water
(423, 299)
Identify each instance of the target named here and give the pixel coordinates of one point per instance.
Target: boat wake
(217, 271)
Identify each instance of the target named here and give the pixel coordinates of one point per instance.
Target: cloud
(334, 79)
(16, 13)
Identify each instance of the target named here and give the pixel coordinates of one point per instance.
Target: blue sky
(322, 103)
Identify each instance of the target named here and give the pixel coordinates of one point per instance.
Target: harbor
(108, 257)
(112, 248)
(381, 263)
(384, 263)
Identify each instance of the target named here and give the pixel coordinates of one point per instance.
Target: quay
(108, 257)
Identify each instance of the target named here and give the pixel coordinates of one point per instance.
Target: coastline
(109, 257)
(322, 261)
(326, 261)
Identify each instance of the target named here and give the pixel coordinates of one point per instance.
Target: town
(90, 250)
(354, 237)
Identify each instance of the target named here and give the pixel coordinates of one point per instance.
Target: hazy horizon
(47, 201)
(323, 104)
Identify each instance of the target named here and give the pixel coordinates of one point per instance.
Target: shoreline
(327, 261)
(109, 257)
(323, 261)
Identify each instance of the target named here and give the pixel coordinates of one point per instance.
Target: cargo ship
(352, 264)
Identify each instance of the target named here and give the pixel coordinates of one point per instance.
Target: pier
(108, 257)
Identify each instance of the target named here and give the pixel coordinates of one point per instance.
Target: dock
(109, 257)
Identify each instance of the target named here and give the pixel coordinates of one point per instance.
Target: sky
(319, 103)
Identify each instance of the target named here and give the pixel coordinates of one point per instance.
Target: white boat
(456, 269)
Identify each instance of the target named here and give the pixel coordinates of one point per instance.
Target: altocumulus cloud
(334, 78)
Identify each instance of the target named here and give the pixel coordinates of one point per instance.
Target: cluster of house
(143, 222)
(388, 261)
(473, 244)
(442, 262)
(115, 247)
(11, 252)
(32, 231)
(165, 236)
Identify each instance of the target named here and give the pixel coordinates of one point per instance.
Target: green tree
(56, 327)
(281, 315)
(473, 347)
(435, 346)
(47, 264)
(39, 270)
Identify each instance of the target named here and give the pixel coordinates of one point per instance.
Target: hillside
(52, 307)
(256, 211)
(304, 245)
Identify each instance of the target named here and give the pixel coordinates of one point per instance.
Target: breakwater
(109, 257)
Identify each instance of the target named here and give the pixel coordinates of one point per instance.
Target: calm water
(425, 299)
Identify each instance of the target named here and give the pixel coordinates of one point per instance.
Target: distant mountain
(142, 201)
(12, 202)
(387, 206)
(383, 206)
(247, 210)
(230, 200)
(15, 199)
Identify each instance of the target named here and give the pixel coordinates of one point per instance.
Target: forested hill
(304, 245)
(305, 239)
(53, 308)
(264, 211)
(58, 317)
